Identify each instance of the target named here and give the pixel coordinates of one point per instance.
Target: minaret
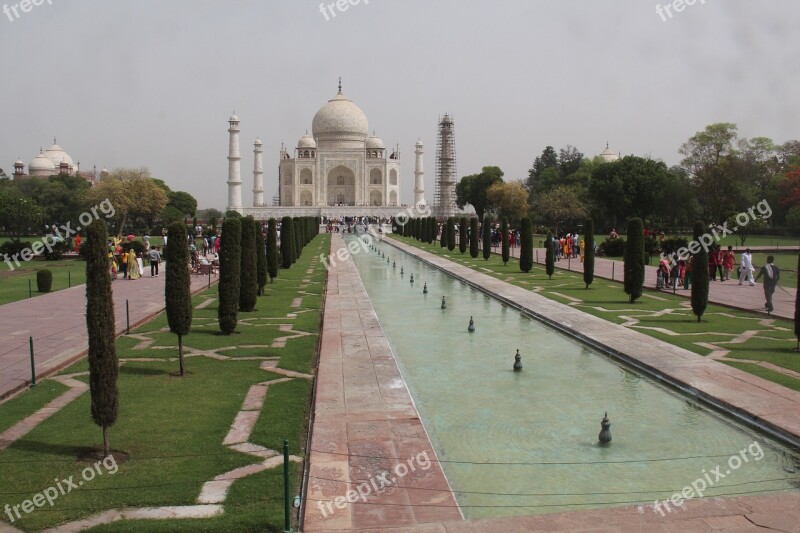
(419, 177)
(234, 166)
(258, 181)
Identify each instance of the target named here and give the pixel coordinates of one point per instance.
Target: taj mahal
(339, 170)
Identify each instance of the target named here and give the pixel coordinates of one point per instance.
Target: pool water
(514, 443)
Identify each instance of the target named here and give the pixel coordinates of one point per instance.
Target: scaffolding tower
(444, 198)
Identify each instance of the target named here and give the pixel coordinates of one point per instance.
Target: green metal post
(210, 268)
(69, 279)
(30, 291)
(127, 317)
(287, 518)
(33, 366)
(613, 264)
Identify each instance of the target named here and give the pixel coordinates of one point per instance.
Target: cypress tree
(634, 259)
(549, 257)
(272, 249)
(588, 252)
(463, 226)
(451, 234)
(504, 231)
(230, 264)
(103, 366)
(526, 246)
(473, 237)
(797, 307)
(487, 238)
(177, 288)
(298, 239)
(431, 229)
(699, 274)
(261, 258)
(443, 237)
(248, 288)
(287, 238)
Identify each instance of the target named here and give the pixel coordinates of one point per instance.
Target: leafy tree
(132, 192)
(699, 274)
(103, 365)
(261, 258)
(472, 189)
(177, 287)
(487, 238)
(549, 259)
(183, 202)
(630, 186)
(287, 242)
(588, 252)
(509, 198)
(230, 265)
(504, 236)
(169, 215)
(60, 196)
(473, 237)
(463, 231)
(634, 259)
(230, 213)
(560, 204)
(19, 215)
(451, 234)
(526, 246)
(248, 288)
(272, 249)
(548, 160)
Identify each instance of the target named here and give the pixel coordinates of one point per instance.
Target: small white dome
(58, 156)
(419, 143)
(41, 166)
(375, 142)
(609, 155)
(306, 141)
(18, 162)
(233, 118)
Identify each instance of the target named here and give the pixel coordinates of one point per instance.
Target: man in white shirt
(746, 268)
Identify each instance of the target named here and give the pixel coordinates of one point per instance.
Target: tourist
(155, 259)
(123, 264)
(687, 276)
(772, 275)
(77, 243)
(133, 268)
(718, 261)
(140, 263)
(728, 260)
(746, 268)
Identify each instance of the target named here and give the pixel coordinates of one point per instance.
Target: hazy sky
(152, 83)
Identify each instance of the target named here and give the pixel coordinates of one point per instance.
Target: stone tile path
(365, 425)
(57, 323)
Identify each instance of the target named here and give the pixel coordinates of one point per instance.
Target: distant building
(52, 162)
(609, 155)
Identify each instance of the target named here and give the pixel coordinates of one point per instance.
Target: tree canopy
(473, 189)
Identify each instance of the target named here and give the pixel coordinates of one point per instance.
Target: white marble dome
(341, 119)
(58, 156)
(306, 141)
(609, 155)
(41, 166)
(375, 142)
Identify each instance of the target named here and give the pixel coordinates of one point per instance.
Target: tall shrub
(44, 280)
(463, 226)
(261, 258)
(248, 288)
(526, 246)
(298, 239)
(699, 274)
(549, 257)
(487, 238)
(451, 234)
(230, 264)
(287, 242)
(443, 237)
(504, 235)
(103, 366)
(634, 259)
(588, 252)
(272, 249)
(473, 237)
(177, 287)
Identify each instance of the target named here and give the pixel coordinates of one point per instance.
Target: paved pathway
(728, 293)
(363, 410)
(57, 323)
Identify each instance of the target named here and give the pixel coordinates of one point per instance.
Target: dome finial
(54, 140)
(340, 85)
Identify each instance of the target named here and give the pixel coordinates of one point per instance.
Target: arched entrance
(341, 185)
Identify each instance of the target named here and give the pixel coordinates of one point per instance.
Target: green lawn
(657, 313)
(170, 429)
(14, 283)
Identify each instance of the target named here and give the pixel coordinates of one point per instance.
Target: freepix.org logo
(23, 6)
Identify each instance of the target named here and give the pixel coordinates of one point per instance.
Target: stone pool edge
(753, 401)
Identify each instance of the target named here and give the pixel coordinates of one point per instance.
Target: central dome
(340, 119)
